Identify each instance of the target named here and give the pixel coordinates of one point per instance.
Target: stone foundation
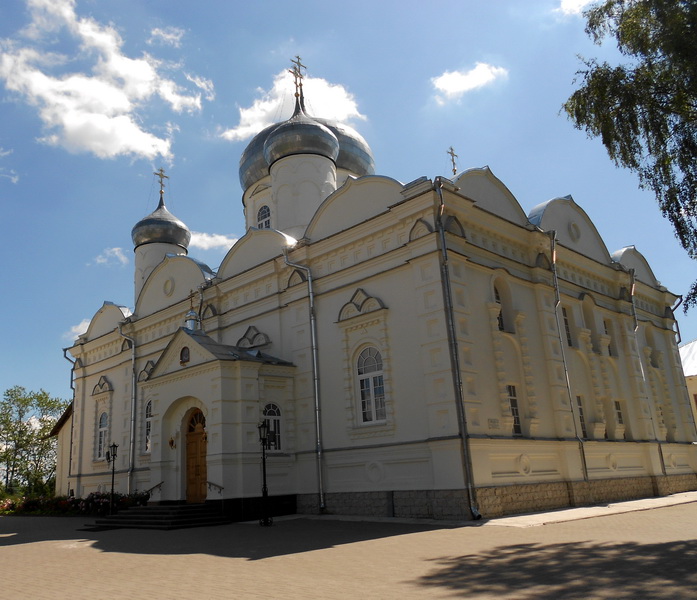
(495, 501)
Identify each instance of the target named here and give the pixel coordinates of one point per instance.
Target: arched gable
(356, 201)
(105, 320)
(574, 228)
(253, 248)
(631, 258)
(490, 194)
(171, 282)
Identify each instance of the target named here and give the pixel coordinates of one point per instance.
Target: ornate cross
(161, 174)
(453, 156)
(297, 74)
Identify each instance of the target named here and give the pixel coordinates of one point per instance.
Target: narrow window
(264, 217)
(101, 435)
(272, 416)
(371, 385)
(497, 298)
(567, 327)
(515, 411)
(608, 329)
(148, 426)
(581, 416)
(618, 413)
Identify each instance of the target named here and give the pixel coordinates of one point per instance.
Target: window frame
(147, 435)
(370, 386)
(264, 221)
(514, 405)
(274, 424)
(102, 435)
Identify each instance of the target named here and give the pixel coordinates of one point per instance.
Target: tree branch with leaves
(645, 111)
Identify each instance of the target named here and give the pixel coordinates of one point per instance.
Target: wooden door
(196, 472)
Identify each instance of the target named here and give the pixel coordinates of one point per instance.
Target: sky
(96, 95)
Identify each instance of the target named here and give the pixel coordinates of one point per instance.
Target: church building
(416, 350)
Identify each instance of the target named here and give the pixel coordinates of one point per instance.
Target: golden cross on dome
(453, 156)
(161, 174)
(297, 74)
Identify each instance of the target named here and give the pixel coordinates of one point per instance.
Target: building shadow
(570, 571)
(234, 540)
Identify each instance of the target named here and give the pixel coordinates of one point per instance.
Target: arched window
(502, 297)
(497, 298)
(371, 385)
(272, 416)
(102, 431)
(184, 356)
(264, 217)
(148, 427)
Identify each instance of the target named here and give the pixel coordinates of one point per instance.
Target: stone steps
(165, 517)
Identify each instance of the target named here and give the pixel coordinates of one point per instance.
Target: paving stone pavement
(633, 550)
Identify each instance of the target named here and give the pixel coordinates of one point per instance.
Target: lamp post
(111, 458)
(265, 520)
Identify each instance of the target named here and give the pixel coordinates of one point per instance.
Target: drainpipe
(134, 381)
(557, 304)
(315, 376)
(632, 279)
(72, 415)
(454, 356)
(672, 310)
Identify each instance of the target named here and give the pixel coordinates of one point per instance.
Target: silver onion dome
(162, 227)
(300, 135)
(354, 154)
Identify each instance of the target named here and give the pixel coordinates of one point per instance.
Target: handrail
(153, 488)
(212, 485)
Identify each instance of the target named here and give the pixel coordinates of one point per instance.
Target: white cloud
(110, 257)
(93, 111)
(169, 36)
(10, 174)
(5, 173)
(323, 99)
(573, 7)
(77, 330)
(454, 84)
(211, 241)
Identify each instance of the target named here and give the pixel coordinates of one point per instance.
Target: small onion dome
(300, 135)
(354, 155)
(161, 227)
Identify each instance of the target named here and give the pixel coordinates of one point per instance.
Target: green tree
(644, 111)
(27, 454)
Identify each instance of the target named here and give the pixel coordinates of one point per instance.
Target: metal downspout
(72, 415)
(454, 355)
(557, 303)
(315, 376)
(672, 310)
(134, 382)
(641, 366)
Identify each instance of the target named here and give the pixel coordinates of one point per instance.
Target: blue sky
(95, 95)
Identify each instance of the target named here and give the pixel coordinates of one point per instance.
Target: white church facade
(421, 350)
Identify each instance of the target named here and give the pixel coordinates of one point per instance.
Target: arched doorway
(196, 472)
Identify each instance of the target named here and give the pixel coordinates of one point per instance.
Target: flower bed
(96, 504)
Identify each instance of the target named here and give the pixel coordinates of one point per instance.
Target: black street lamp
(111, 458)
(265, 520)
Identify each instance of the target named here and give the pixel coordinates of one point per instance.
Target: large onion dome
(302, 134)
(161, 227)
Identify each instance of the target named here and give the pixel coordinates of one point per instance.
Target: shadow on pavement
(236, 540)
(571, 571)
